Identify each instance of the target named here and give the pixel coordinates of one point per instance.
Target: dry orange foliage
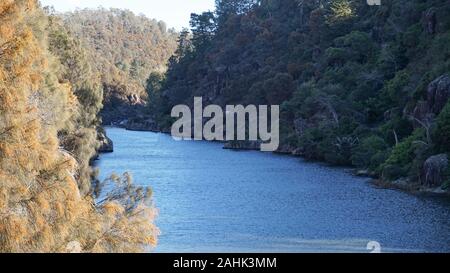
(41, 207)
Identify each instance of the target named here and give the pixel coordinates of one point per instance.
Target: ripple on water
(216, 200)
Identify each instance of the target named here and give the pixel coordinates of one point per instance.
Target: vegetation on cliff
(126, 49)
(49, 100)
(358, 85)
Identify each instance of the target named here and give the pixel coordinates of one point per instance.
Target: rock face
(118, 105)
(421, 111)
(438, 93)
(434, 169)
(106, 144)
(141, 123)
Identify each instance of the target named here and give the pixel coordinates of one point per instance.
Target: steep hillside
(49, 102)
(358, 85)
(124, 49)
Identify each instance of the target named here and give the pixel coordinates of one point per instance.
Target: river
(215, 200)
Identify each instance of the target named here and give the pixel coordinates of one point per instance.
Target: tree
(203, 27)
(156, 101)
(124, 49)
(41, 206)
(184, 47)
(227, 8)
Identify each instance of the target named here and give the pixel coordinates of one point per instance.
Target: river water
(215, 200)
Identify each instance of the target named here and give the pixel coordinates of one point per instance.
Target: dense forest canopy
(126, 49)
(358, 85)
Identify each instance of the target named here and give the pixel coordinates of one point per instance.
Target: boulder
(434, 170)
(438, 93)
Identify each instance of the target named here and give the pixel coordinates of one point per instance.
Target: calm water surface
(215, 200)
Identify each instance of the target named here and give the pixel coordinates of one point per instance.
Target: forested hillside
(50, 96)
(125, 49)
(359, 85)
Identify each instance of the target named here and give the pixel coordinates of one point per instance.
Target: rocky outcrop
(120, 104)
(438, 93)
(141, 123)
(289, 150)
(106, 144)
(434, 171)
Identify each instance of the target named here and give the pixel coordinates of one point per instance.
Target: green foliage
(125, 49)
(370, 153)
(396, 88)
(441, 134)
(402, 156)
(358, 46)
(347, 75)
(203, 27)
(81, 139)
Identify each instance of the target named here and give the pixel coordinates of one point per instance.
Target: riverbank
(219, 200)
(404, 184)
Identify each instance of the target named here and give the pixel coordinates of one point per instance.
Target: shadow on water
(216, 200)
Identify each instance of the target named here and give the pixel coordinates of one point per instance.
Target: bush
(396, 88)
(369, 153)
(441, 134)
(402, 156)
(359, 44)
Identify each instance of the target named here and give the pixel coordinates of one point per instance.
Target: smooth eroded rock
(438, 93)
(434, 170)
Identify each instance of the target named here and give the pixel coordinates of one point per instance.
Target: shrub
(402, 156)
(369, 152)
(441, 134)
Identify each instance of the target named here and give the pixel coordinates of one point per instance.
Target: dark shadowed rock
(438, 93)
(285, 149)
(120, 105)
(242, 145)
(106, 144)
(141, 123)
(421, 111)
(434, 169)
